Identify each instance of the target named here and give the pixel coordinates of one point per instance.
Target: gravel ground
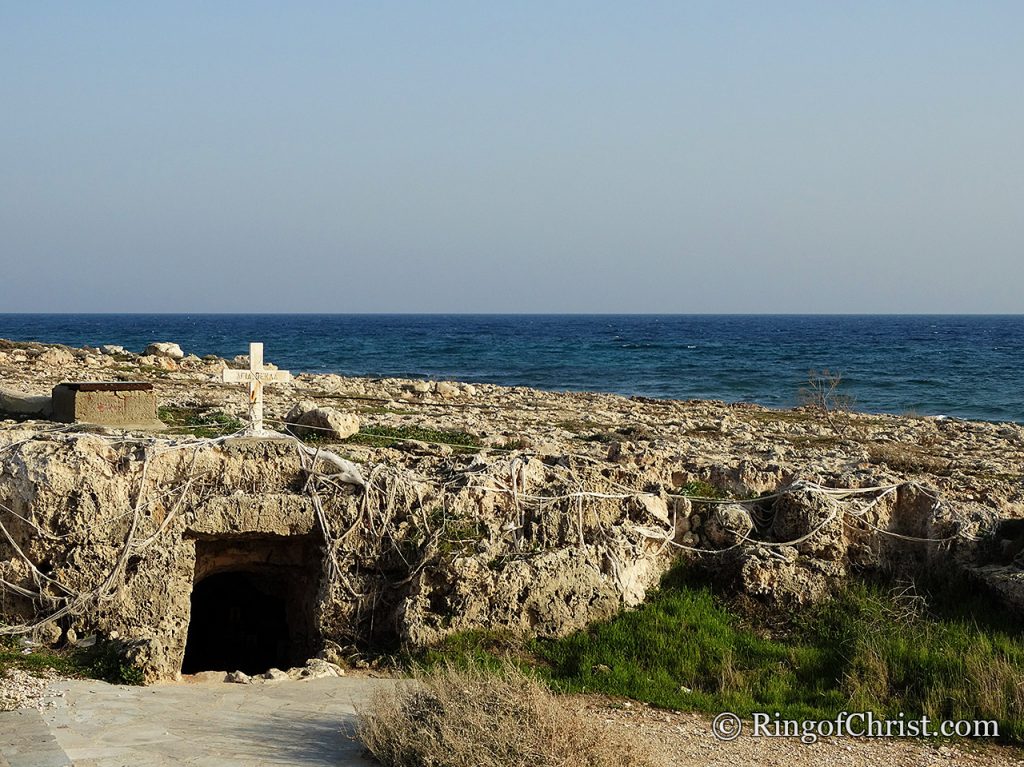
(682, 739)
(686, 740)
(21, 689)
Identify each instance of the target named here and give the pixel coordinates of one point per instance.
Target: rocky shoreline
(490, 506)
(743, 448)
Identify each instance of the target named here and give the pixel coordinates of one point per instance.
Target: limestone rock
(333, 653)
(682, 525)
(317, 668)
(275, 675)
(655, 507)
(787, 583)
(446, 389)
(807, 514)
(728, 525)
(19, 403)
(306, 418)
(48, 633)
(298, 410)
(56, 357)
(467, 542)
(238, 677)
(112, 349)
(164, 349)
(209, 676)
(547, 594)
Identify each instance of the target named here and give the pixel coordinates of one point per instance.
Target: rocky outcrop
(21, 404)
(814, 522)
(784, 580)
(501, 507)
(306, 419)
(56, 357)
(113, 536)
(727, 525)
(164, 349)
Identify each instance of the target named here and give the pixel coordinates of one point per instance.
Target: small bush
(106, 660)
(822, 394)
(472, 717)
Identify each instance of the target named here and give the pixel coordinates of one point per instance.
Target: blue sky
(534, 157)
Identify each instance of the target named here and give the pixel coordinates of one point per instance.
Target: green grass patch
(101, 661)
(201, 422)
(698, 488)
(956, 655)
(387, 436)
(485, 649)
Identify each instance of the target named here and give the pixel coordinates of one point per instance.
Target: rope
(379, 498)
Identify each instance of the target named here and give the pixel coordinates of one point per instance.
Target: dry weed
(451, 717)
(908, 458)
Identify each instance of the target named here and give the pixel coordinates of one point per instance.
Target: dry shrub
(908, 458)
(822, 393)
(451, 717)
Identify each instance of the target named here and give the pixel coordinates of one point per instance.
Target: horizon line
(513, 314)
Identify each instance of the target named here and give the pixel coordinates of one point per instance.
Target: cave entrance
(253, 604)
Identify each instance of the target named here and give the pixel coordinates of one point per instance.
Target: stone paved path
(299, 723)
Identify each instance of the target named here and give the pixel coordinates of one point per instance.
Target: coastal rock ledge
(530, 512)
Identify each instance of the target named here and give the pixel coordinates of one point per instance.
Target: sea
(956, 366)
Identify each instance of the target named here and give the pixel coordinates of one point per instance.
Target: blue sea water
(964, 366)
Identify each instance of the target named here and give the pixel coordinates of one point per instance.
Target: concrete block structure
(107, 403)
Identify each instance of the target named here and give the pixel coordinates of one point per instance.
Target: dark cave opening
(253, 605)
(239, 622)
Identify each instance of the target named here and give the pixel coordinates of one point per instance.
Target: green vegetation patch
(955, 655)
(387, 436)
(202, 422)
(103, 660)
(699, 488)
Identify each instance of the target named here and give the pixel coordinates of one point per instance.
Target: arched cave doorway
(239, 623)
(253, 604)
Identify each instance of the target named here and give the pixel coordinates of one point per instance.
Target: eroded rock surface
(477, 506)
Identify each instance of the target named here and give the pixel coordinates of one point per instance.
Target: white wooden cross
(256, 376)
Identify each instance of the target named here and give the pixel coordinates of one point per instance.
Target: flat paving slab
(26, 741)
(299, 723)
